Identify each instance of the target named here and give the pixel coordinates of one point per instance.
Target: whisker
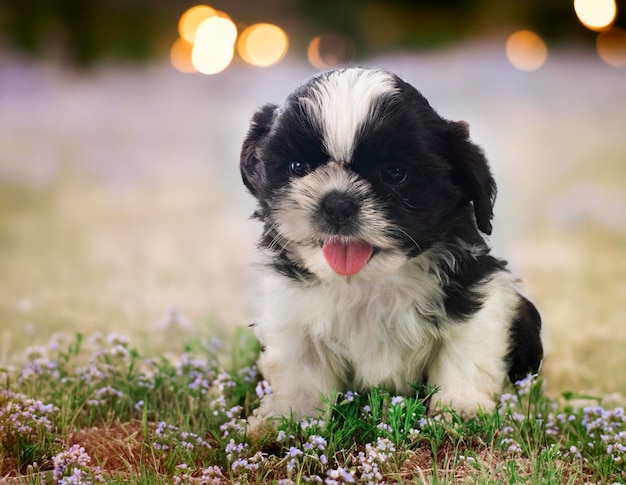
(278, 241)
(404, 233)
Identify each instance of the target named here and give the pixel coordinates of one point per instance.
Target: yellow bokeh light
(211, 61)
(191, 20)
(596, 14)
(216, 32)
(526, 50)
(213, 49)
(611, 47)
(329, 50)
(263, 44)
(180, 56)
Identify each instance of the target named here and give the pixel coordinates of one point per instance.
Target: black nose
(338, 208)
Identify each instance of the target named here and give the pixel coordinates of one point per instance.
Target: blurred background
(121, 207)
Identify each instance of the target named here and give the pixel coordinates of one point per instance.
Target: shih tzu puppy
(377, 272)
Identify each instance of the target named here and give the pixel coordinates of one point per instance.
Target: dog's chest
(376, 333)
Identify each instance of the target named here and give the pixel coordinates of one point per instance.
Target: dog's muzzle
(338, 213)
(338, 217)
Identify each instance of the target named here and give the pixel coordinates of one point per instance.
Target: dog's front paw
(265, 419)
(258, 426)
(467, 406)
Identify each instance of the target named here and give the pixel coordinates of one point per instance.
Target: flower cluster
(515, 410)
(599, 432)
(366, 467)
(238, 455)
(23, 419)
(38, 364)
(73, 467)
(104, 396)
(211, 475)
(168, 437)
(607, 431)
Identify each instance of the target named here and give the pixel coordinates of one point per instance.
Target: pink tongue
(347, 259)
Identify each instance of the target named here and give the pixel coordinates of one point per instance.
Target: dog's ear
(471, 173)
(252, 171)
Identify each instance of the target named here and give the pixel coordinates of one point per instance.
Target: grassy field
(126, 258)
(96, 410)
(160, 400)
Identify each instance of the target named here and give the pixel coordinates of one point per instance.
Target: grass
(94, 410)
(100, 409)
(76, 254)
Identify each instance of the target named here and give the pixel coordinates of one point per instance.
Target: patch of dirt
(420, 464)
(117, 448)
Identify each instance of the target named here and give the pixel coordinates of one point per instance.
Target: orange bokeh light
(263, 44)
(329, 50)
(526, 51)
(180, 56)
(191, 20)
(611, 47)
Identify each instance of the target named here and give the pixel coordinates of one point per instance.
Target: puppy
(377, 273)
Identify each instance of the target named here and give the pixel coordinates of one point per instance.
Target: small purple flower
(523, 385)
(263, 388)
(249, 373)
(294, 452)
(341, 474)
(315, 442)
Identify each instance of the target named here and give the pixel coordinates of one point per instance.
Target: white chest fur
(367, 334)
(390, 333)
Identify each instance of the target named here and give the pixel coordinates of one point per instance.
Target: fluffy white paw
(465, 406)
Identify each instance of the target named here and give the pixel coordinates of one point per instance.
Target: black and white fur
(358, 154)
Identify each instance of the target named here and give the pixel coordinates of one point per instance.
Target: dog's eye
(394, 175)
(299, 169)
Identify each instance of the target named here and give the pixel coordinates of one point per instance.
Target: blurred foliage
(378, 25)
(87, 31)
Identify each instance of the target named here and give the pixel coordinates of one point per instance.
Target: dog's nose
(338, 208)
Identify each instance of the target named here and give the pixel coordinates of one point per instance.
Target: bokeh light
(263, 44)
(191, 20)
(596, 14)
(211, 61)
(216, 32)
(611, 47)
(329, 50)
(180, 56)
(213, 49)
(526, 50)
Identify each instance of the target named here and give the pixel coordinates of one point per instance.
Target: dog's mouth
(346, 257)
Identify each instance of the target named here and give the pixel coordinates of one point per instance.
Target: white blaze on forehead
(342, 103)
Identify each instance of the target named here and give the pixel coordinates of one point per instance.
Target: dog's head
(355, 174)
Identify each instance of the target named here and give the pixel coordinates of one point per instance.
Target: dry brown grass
(78, 257)
(579, 280)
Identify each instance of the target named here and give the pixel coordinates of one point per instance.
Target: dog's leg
(470, 368)
(299, 377)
